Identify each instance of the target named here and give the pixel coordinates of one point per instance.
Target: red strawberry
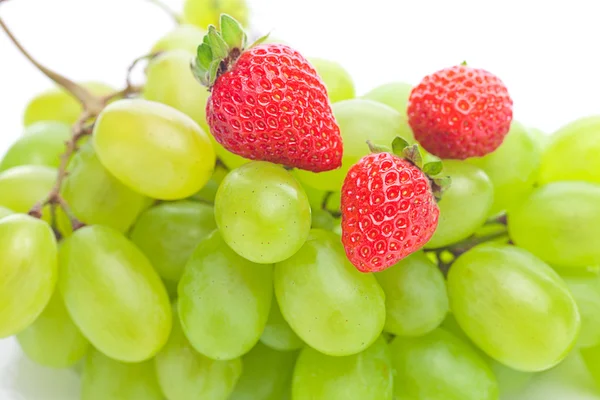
(267, 103)
(460, 112)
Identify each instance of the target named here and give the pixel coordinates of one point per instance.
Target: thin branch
(167, 10)
(462, 247)
(500, 219)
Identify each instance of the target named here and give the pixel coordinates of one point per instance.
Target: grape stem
(176, 17)
(334, 214)
(500, 219)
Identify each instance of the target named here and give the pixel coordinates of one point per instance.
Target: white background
(545, 51)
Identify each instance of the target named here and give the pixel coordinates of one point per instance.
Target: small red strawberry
(389, 207)
(460, 112)
(267, 102)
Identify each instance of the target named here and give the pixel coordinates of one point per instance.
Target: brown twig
(500, 219)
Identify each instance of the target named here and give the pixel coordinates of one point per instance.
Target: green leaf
(413, 154)
(204, 56)
(398, 145)
(219, 48)
(440, 185)
(232, 32)
(260, 40)
(212, 72)
(376, 148)
(433, 168)
(200, 73)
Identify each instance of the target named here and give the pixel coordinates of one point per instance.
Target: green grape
(337, 227)
(53, 340)
(591, 359)
(510, 381)
(224, 300)
(267, 374)
(322, 219)
(154, 149)
(395, 95)
(541, 138)
(359, 120)
(440, 366)
(363, 376)
(113, 294)
(42, 146)
(332, 306)
(512, 168)
(28, 271)
(572, 153)
(416, 301)
(182, 37)
(464, 206)
(203, 13)
(586, 292)
(184, 374)
(558, 223)
(277, 333)
(337, 80)
(169, 232)
(262, 212)
(105, 378)
(97, 197)
(58, 105)
(4, 212)
(209, 192)
(513, 306)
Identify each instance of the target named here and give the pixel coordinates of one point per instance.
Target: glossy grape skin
(53, 340)
(224, 300)
(154, 149)
(182, 37)
(585, 289)
(104, 378)
(493, 286)
(28, 270)
(336, 322)
(113, 294)
(440, 366)
(185, 374)
(465, 205)
(337, 80)
(203, 13)
(262, 212)
(267, 374)
(559, 223)
(416, 301)
(23, 186)
(278, 334)
(393, 94)
(359, 120)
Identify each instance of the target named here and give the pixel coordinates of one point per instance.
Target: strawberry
(389, 207)
(460, 112)
(267, 102)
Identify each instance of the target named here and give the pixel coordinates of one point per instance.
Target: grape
(169, 232)
(27, 270)
(262, 212)
(513, 306)
(267, 374)
(182, 37)
(97, 197)
(586, 292)
(337, 80)
(416, 301)
(23, 186)
(53, 340)
(591, 358)
(4, 212)
(510, 381)
(540, 137)
(209, 192)
(464, 206)
(104, 378)
(277, 333)
(153, 149)
(184, 374)
(559, 223)
(572, 153)
(224, 300)
(333, 307)
(43, 145)
(203, 13)
(322, 219)
(359, 120)
(512, 168)
(113, 294)
(395, 95)
(363, 376)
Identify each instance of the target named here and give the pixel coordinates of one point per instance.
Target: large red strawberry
(460, 112)
(389, 207)
(267, 102)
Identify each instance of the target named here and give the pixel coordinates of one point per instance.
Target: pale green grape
(512, 167)
(440, 366)
(332, 306)
(154, 149)
(586, 292)
(53, 340)
(464, 206)
(337, 80)
(559, 224)
(541, 138)
(395, 95)
(224, 300)
(513, 306)
(277, 333)
(169, 232)
(97, 197)
(267, 374)
(262, 212)
(591, 358)
(363, 376)
(203, 13)
(416, 301)
(5, 212)
(510, 382)
(105, 378)
(322, 219)
(113, 294)
(359, 120)
(185, 374)
(28, 271)
(182, 37)
(572, 153)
